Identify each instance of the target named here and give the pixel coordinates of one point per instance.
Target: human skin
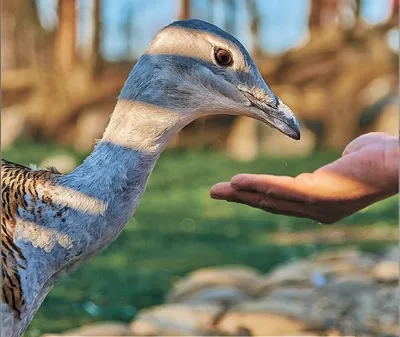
(367, 172)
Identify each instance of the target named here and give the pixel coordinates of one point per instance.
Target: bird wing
(18, 191)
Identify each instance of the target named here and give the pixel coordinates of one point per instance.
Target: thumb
(364, 140)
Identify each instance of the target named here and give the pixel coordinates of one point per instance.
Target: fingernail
(215, 196)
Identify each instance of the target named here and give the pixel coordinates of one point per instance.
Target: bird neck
(109, 184)
(142, 127)
(106, 190)
(100, 197)
(116, 173)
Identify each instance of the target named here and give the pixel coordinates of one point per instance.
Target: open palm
(366, 173)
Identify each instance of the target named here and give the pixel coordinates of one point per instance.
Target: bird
(51, 223)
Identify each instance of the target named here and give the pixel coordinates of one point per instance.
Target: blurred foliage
(338, 73)
(178, 228)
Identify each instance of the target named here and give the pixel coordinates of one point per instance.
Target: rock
(62, 162)
(175, 320)
(361, 279)
(288, 301)
(353, 308)
(299, 273)
(347, 262)
(259, 321)
(386, 271)
(99, 329)
(347, 307)
(244, 279)
(321, 270)
(338, 292)
(336, 255)
(220, 295)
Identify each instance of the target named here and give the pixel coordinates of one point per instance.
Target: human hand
(366, 173)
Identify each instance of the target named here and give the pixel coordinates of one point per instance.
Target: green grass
(178, 228)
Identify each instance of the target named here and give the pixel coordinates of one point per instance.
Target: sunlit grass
(178, 228)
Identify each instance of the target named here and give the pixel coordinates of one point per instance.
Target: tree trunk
(323, 12)
(314, 20)
(21, 34)
(65, 42)
(254, 27)
(97, 34)
(90, 50)
(395, 9)
(358, 10)
(185, 9)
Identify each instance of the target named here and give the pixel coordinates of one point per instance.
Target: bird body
(52, 223)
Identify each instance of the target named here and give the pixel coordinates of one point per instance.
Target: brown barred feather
(17, 182)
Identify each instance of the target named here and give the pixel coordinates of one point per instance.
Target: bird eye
(223, 57)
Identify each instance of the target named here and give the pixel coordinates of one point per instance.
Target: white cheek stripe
(195, 44)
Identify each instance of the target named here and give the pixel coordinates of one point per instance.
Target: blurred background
(334, 62)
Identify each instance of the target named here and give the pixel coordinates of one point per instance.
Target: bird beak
(279, 117)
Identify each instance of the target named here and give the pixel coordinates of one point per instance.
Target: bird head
(199, 69)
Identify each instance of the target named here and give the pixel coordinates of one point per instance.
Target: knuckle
(262, 201)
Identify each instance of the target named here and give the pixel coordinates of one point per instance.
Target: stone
(302, 273)
(361, 279)
(354, 308)
(259, 321)
(220, 295)
(335, 255)
(386, 271)
(340, 292)
(239, 277)
(346, 262)
(175, 320)
(287, 301)
(98, 329)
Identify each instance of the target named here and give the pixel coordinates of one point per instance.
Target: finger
(297, 189)
(365, 140)
(222, 191)
(268, 204)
